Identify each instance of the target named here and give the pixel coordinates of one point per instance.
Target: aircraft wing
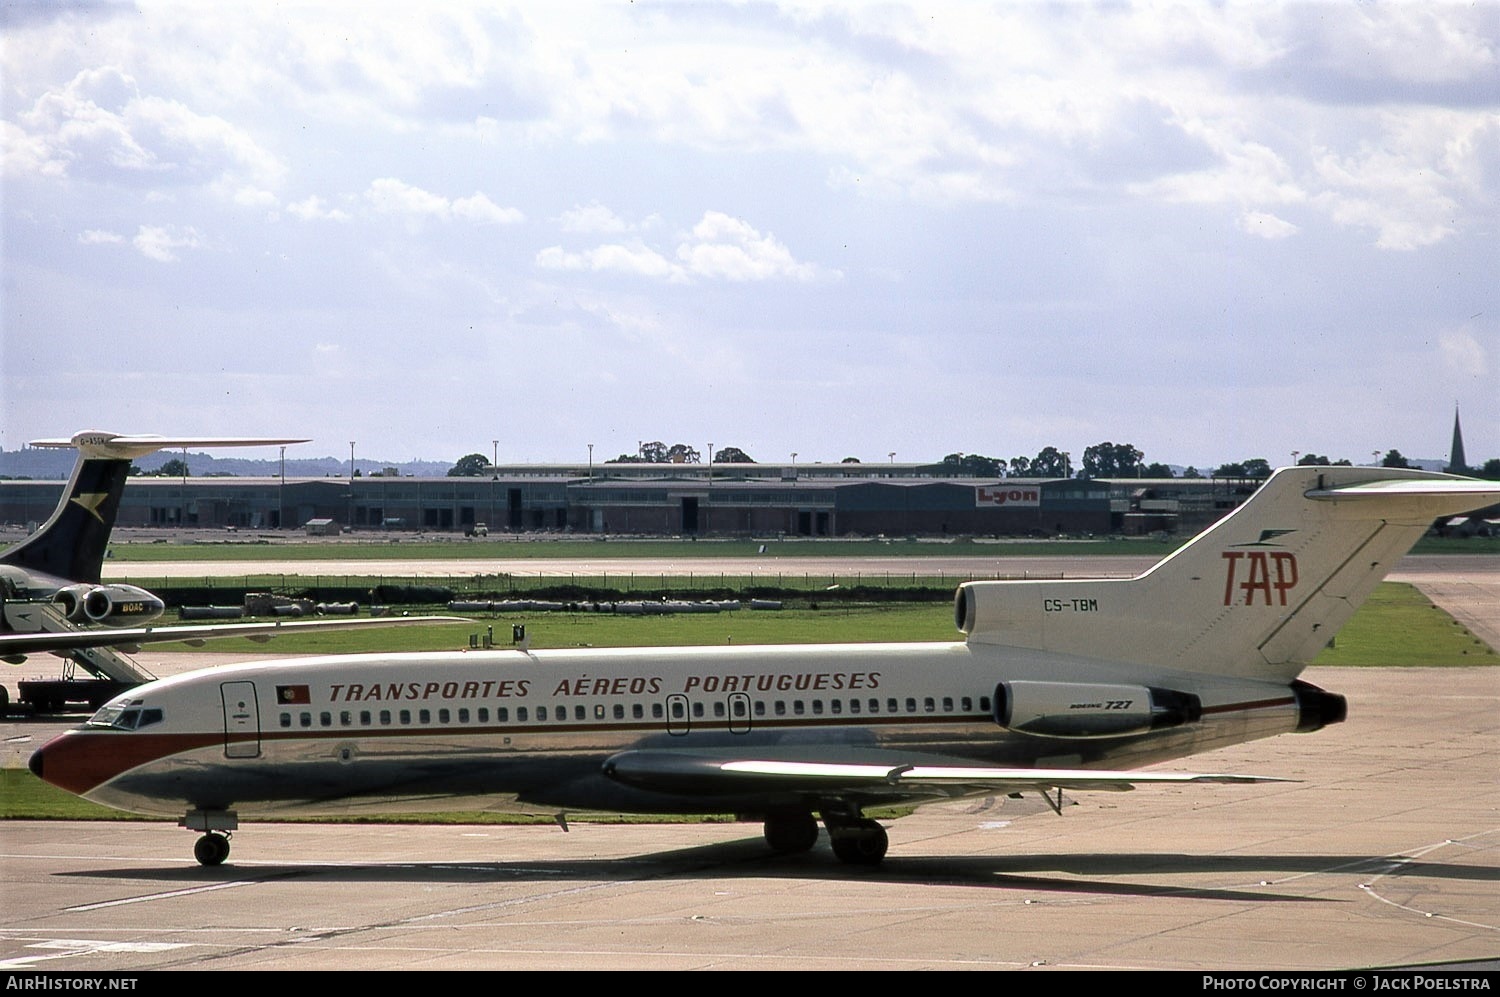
(127, 637)
(683, 772)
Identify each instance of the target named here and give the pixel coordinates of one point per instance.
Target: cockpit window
(125, 717)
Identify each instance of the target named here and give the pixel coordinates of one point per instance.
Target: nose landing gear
(213, 848)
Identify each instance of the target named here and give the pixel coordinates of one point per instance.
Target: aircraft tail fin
(70, 545)
(1257, 595)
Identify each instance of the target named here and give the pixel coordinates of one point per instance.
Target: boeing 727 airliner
(1057, 685)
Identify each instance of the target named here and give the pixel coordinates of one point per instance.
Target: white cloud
(593, 217)
(727, 247)
(313, 208)
(718, 248)
(634, 259)
(99, 124)
(1463, 353)
(99, 237)
(1266, 225)
(388, 195)
(160, 243)
(479, 208)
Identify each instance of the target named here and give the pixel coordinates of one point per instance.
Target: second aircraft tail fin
(70, 545)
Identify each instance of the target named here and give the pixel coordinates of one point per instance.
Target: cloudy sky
(1214, 231)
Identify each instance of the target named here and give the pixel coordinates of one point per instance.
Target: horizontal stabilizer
(1466, 488)
(115, 446)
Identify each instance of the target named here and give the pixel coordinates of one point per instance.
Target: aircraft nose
(76, 762)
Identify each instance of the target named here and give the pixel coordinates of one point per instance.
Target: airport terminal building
(750, 500)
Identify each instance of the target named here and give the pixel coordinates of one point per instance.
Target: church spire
(1457, 464)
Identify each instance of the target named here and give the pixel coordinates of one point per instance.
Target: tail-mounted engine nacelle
(1073, 709)
(109, 605)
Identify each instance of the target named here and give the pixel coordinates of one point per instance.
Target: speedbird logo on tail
(91, 501)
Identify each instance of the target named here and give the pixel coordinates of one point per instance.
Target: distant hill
(49, 464)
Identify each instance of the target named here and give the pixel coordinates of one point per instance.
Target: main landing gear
(213, 848)
(856, 840)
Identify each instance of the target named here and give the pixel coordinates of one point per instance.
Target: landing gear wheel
(791, 832)
(861, 842)
(211, 849)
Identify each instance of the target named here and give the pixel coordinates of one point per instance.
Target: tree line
(1102, 460)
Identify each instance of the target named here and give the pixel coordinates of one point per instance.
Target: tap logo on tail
(1251, 575)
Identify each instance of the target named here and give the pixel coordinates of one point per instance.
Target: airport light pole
(281, 495)
(351, 485)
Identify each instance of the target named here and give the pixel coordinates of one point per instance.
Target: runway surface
(1385, 853)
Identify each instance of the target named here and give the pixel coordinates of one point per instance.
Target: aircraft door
(679, 721)
(739, 713)
(241, 720)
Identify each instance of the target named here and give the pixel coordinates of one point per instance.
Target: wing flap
(686, 772)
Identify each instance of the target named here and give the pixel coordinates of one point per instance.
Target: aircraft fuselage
(532, 731)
